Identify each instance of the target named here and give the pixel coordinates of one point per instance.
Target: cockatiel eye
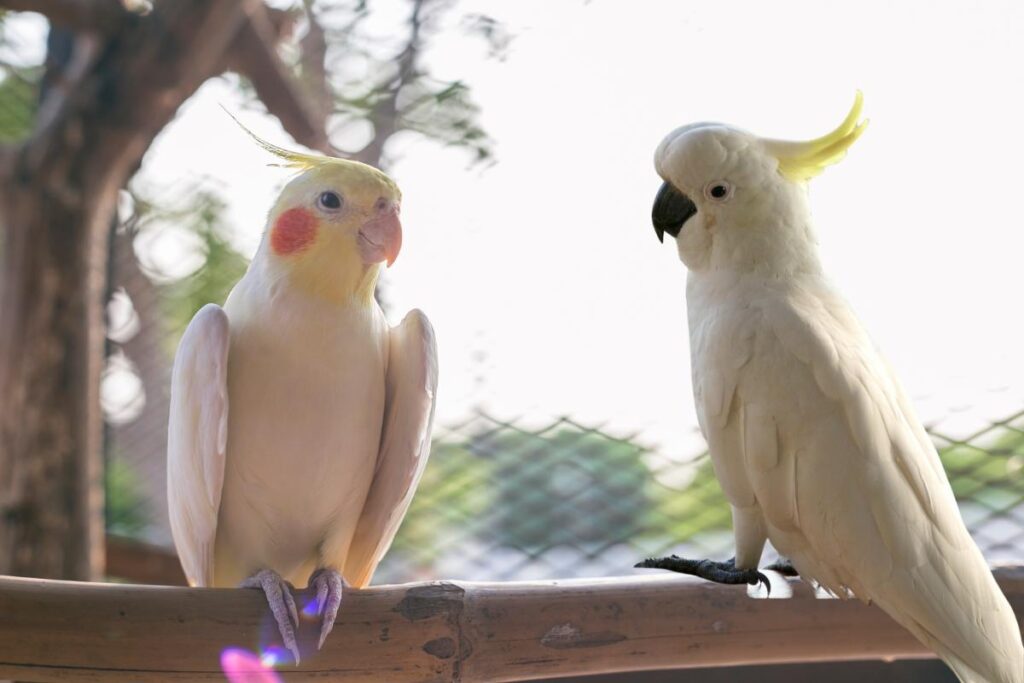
(329, 201)
(718, 190)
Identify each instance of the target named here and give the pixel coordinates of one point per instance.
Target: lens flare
(311, 608)
(242, 666)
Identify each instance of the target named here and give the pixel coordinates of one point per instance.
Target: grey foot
(783, 566)
(282, 605)
(328, 584)
(719, 572)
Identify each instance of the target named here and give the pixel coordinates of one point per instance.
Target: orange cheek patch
(294, 230)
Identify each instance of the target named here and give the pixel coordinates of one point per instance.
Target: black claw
(784, 567)
(719, 572)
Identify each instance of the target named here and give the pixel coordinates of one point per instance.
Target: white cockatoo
(300, 421)
(812, 438)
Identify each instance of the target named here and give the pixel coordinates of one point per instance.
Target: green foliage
(499, 487)
(377, 79)
(988, 469)
(567, 487)
(222, 265)
(18, 98)
(198, 210)
(127, 512)
(681, 513)
(454, 494)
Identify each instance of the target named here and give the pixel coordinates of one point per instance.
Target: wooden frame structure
(442, 631)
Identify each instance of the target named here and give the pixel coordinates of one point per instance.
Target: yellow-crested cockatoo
(300, 421)
(812, 438)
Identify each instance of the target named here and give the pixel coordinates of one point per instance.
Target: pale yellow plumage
(300, 421)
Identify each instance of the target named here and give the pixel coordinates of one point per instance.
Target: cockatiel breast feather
(197, 443)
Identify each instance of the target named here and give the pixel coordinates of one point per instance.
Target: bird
(811, 435)
(300, 420)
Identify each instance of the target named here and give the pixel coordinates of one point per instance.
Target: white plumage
(811, 435)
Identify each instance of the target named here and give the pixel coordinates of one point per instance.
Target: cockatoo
(812, 438)
(300, 421)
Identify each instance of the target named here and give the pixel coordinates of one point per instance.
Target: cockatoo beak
(380, 238)
(671, 209)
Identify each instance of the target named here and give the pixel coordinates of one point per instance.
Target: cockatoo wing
(405, 444)
(197, 440)
(848, 481)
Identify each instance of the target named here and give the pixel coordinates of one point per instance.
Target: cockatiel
(300, 421)
(812, 438)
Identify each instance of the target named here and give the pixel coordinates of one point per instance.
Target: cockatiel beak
(671, 209)
(380, 238)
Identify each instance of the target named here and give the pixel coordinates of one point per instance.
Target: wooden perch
(469, 632)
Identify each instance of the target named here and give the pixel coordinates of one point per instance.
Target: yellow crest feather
(291, 159)
(799, 161)
(302, 162)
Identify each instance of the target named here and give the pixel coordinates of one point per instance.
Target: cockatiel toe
(282, 605)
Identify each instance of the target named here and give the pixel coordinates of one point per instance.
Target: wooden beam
(468, 632)
(137, 562)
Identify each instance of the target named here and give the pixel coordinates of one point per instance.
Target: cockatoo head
(734, 200)
(333, 225)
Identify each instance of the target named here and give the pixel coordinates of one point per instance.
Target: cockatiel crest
(813, 440)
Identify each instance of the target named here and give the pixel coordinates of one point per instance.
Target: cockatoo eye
(329, 201)
(718, 190)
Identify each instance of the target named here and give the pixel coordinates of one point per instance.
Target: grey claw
(329, 588)
(282, 605)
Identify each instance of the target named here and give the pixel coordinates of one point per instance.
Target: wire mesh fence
(512, 500)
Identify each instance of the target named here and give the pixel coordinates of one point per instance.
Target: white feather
(405, 444)
(197, 440)
(820, 433)
(811, 436)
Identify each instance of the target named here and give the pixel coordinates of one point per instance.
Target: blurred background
(565, 440)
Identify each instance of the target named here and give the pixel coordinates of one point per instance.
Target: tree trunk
(58, 195)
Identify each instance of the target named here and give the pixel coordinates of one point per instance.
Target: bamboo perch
(469, 632)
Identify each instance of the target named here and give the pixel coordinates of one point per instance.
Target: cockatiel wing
(849, 482)
(197, 440)
(405, 444)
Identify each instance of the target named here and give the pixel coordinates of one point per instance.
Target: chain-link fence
(500, 501)
(504, 500)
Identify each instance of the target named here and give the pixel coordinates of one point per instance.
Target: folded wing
(197, 440)
(405, 444)
(852, 486)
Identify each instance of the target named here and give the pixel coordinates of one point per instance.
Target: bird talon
(329, 586)
(282, 606)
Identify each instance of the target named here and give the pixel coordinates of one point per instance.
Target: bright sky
(547, 287)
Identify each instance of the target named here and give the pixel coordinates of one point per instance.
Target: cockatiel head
(332, 226)
(734, 200)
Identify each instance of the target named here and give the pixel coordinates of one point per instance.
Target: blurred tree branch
(112, 81)
(81, 15)
(254, 55)
(104, 102)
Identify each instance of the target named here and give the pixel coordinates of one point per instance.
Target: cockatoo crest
(803, 160)
(735, 200)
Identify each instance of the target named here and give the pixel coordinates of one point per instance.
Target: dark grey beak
(671, 209)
